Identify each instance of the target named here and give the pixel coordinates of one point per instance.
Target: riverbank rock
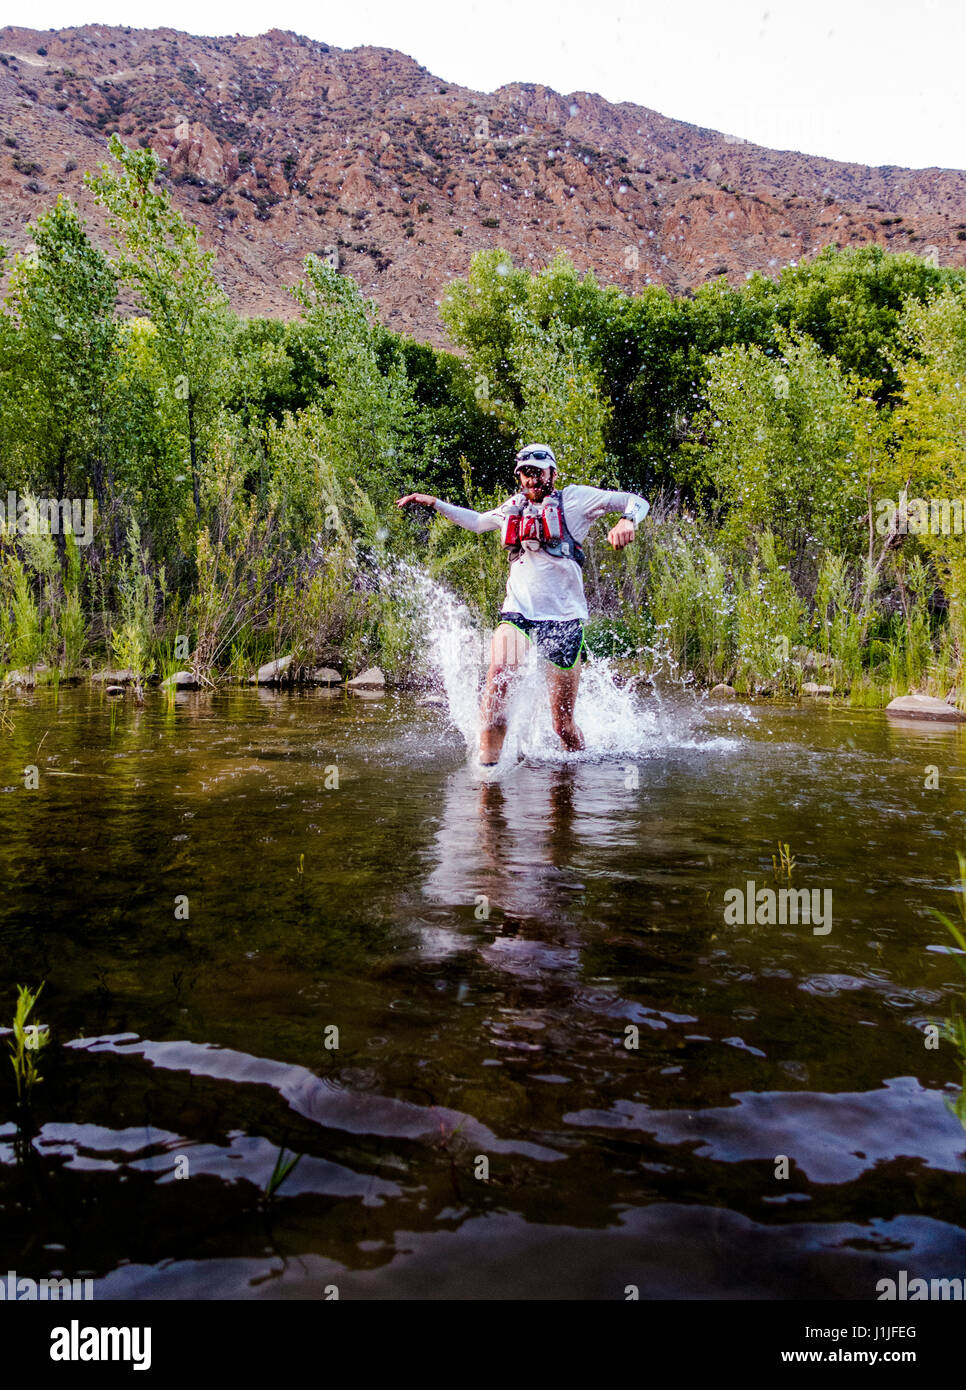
(123, 677)
(923, 707)
(180, 680)
(25, 679)
(810, 688)
(434, 701)
(30, 677)
(324, 675)
(723, 692)
(372, 679)
(115, 690)
(273, 672)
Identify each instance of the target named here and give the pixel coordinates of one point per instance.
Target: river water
(502, 1019)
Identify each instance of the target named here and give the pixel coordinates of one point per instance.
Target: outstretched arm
(416, 499)
(461, 516)
(588, 503)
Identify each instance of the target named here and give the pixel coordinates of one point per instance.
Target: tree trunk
(59, 540)
(193, 448)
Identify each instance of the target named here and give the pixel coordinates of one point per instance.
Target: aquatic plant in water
(954, 1028)
(784, 862)
(28, 1041)
(284, 1164)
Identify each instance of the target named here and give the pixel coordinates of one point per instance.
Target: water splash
(615, 719)
(453, 644)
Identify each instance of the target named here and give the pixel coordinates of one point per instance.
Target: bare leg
(507, 650)
(562, 686)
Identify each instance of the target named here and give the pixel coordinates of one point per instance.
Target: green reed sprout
(954, 1028)
(784, 862)
(29, 1039)
(284, 1164)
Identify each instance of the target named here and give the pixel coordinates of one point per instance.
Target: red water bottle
(550, 516)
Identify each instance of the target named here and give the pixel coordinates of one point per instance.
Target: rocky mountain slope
(279, 145)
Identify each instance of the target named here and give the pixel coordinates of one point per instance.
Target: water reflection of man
(512, 847)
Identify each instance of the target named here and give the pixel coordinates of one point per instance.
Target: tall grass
(692, 610)
(21, 624)
(313, 575)
(768, 620)
(954, 1027)
(132, 639)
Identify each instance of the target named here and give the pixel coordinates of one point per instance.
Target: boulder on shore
(923, 707)
(181, 680)
(723, 692)
(324, 675)
(28, 677)
(123, 677)
(25, 679)
(372, 679)
(273, 672)
(810, 688)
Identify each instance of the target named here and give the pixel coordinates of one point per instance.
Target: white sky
(875, 81)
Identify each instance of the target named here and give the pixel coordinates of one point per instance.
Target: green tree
(931, 458)
(793, 447)
(56, 355)
(534, 346)
(160, 256)
(368, 405)
(851, 303)
(479, 315)
(453, 426)
(563, 404)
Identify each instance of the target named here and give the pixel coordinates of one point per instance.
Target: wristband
(636, 510)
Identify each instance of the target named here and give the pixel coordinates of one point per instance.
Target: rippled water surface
(482, 946)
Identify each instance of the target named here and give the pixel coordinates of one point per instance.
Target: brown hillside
(280, 145)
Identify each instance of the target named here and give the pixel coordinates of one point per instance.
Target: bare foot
(491, 744)
(572, 740)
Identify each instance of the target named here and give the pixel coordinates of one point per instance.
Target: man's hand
(622, 534)
(421, 499)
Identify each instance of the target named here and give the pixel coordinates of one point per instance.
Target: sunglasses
(535, 454)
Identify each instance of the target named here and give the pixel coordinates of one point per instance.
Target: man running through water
(542, 531)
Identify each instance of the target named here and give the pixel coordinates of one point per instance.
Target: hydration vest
(527, 527)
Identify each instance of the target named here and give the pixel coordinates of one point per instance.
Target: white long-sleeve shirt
(546, 588)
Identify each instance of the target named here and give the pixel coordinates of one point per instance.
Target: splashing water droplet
(616, 721)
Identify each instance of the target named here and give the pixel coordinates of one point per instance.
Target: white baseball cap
(537, 453)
